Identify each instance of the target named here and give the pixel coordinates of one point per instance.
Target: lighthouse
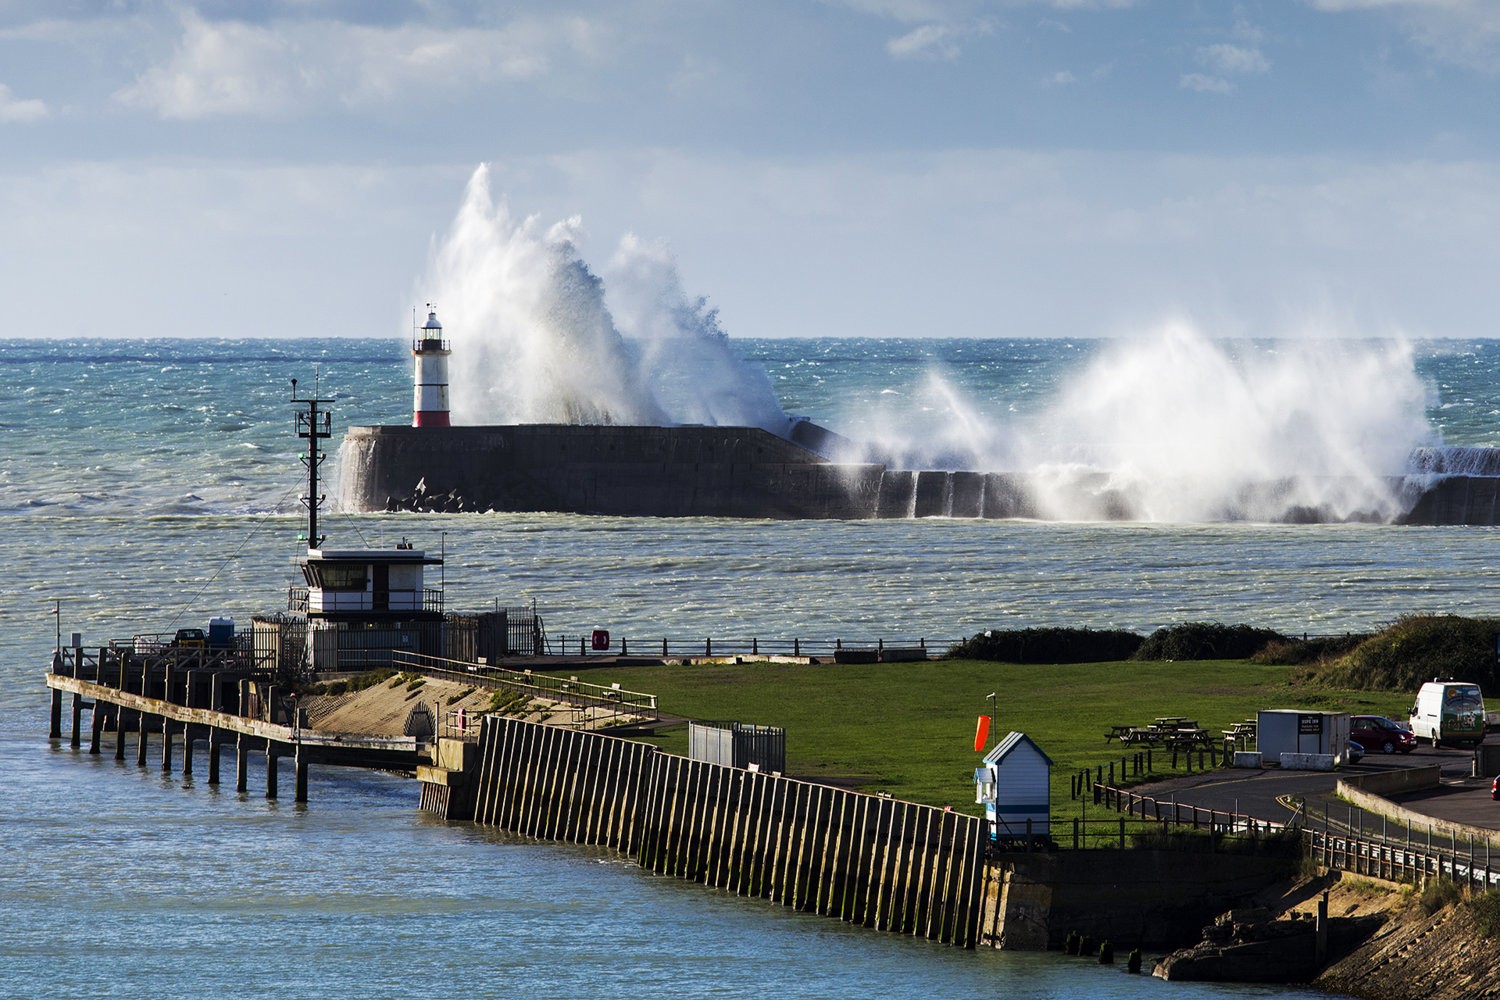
(430, 374)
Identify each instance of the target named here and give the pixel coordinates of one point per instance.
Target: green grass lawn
(908, 728)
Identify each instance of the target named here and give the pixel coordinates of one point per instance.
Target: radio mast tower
(313, 425)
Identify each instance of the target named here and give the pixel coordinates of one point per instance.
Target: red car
(1376, 732)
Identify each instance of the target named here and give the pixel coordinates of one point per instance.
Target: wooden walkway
(125, 712)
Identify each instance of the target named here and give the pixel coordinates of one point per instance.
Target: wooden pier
(866, 859)
(197, 699)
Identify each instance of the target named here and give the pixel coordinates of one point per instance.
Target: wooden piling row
(869, 860)
(559, 784)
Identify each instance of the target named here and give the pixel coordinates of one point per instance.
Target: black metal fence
(586, 644)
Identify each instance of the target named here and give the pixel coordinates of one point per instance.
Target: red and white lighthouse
(430, 374)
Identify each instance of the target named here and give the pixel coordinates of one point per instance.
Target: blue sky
(1066, 168)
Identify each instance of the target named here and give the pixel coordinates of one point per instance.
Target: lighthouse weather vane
(313, 425)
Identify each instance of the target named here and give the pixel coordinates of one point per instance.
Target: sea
(148, 485)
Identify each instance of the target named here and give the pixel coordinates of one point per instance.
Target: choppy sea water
(148, 485)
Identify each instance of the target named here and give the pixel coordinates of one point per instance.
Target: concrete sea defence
(866, 859)
(691, 471)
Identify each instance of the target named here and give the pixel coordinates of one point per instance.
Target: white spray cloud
(1169, 426)
(1174, 426)
(685, 355)
(1199, 430)
(536, 338)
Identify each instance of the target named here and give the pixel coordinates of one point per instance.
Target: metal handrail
(570, 690)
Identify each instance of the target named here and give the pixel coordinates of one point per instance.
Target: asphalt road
(1260, 793)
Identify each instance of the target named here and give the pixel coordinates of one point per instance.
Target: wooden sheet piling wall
(869, 860)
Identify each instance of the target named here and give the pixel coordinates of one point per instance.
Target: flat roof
(371, 555)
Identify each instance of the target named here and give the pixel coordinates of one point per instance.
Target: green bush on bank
(1313, 652)
(1047, 645)
(1439, 893)
(1416, 649)
(1188, 641)
(353, 684)
(1206, 641)
(1486, 909)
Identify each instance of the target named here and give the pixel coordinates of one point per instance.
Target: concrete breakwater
(749, 472)
(866, 859)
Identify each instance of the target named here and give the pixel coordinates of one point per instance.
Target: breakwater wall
(866, 859)
(749, 472)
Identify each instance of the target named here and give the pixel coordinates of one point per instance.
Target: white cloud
(218, 69)
(1232, 60)
(930, 41)
(234, 68)
(1062, 78)
(1205, 84)
(958, 244)
(16, 110)
(1463, 32)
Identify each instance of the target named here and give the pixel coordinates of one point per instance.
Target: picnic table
(1241, 732)
(1185, 738)
(1167, 729)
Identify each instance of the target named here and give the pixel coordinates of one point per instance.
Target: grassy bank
(908, 728)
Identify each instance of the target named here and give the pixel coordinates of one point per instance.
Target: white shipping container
(1293, 730)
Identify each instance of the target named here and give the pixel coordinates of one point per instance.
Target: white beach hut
(1015, 786)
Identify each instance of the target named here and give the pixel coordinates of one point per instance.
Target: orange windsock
(981, 733)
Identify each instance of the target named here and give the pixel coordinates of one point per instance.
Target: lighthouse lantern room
(430, 374)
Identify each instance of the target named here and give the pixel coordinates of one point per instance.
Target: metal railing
(1170, 812)
(1152, 760)
(1395, 861)
(709, 646)
(568, 690)
(431, 599)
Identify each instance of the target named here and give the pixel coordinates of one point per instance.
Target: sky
(877, 168)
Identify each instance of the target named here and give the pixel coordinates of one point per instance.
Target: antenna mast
(313, 425)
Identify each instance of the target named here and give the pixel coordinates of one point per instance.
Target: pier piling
(241, 769)
(300, 784)
(213, 757)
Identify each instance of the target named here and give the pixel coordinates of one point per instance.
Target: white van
(1449, 711)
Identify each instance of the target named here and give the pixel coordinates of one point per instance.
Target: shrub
(1307, 652)
(1440, 893)
(504, 702)
(1486, 909)
(1415, 650)
(1048, 645)
(368, 679)
(1206, 641)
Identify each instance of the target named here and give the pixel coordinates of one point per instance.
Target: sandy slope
(382, 710)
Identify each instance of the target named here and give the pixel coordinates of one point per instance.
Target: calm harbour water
(146, 486)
